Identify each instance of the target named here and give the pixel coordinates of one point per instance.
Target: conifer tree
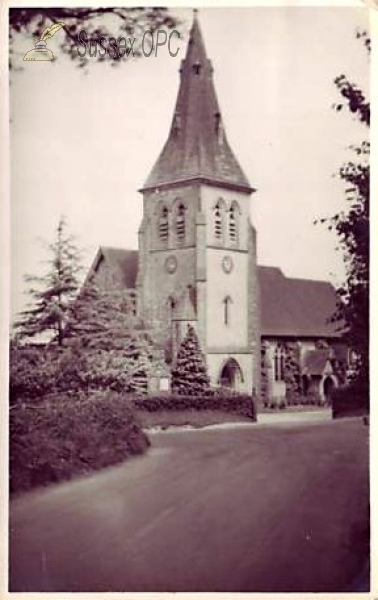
(116, 349)
(52, 293)
(190, 374)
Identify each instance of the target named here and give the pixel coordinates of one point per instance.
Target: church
(197, 262)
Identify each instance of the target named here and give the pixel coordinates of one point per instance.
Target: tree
(104, 21)
(53, 292)
(190, 374)
(111, 346)
(352, 229)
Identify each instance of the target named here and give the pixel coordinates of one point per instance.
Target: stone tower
(197, 247)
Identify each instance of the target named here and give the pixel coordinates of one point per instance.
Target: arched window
(163, 224)
(279, 363)
(218, 220)
(233, 222)
(180, 222)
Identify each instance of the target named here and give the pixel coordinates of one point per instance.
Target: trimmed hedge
(64, 436)
(348, 401)
(241, 404)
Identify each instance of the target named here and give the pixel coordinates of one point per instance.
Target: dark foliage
(351, 400)
(64, 436)
(352, 229)
(32, 373)
(240, 404)
(189, 377)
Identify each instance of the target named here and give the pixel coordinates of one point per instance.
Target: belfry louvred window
(180, 222)
(163, 224)
(233, 224)
(218, 221)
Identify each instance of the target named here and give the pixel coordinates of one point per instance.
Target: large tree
(53, 292)
(352, 228)
(113, 348)
(105, 21)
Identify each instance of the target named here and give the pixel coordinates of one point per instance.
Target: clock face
(227, 264)
(171, 264)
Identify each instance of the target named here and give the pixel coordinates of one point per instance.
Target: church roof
(123, 264)
(289, 307)
(295, 307)
(197, 146)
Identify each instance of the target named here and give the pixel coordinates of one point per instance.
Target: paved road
(249, 509)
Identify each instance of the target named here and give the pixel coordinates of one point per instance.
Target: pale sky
(82, 144)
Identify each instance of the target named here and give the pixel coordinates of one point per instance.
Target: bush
(38, 371)
(350, 400)
(64, 436)
(241, 404)
(32, 373)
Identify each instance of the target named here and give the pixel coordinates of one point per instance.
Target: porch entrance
(231, 375)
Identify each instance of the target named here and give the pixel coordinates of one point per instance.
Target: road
(259, 509)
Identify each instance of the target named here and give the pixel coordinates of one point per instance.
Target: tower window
(233, 222)
(163, 224)
(218, 221)
(180, 222)
(279, 363)
(226, 315)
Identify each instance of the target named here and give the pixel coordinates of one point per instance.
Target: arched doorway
(305, 384)
(328, 385)
(231, 375)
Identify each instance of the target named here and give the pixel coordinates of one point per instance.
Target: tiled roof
(197, 146)
(289, 307)
(295, 307)
(122, 263)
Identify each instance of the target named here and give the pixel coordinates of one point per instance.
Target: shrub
(38, 371)
(66, 436)
(241, 404)
(350, 400)
(32, 373)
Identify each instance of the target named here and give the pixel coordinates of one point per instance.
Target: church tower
(197, 247)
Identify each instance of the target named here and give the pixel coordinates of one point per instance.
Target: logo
(40, 50)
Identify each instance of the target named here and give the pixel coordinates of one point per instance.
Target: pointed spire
(197, 147)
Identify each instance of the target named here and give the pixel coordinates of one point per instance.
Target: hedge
(352, 400)
(64, 436)
(241, 404)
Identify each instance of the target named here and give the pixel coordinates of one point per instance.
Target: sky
(83, 143)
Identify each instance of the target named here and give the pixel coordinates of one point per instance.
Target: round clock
(227, 264)
(171, 264)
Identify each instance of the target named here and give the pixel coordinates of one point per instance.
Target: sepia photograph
(188, 385)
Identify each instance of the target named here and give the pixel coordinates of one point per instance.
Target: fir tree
(190, 374)
(53, 292)
(115, 348)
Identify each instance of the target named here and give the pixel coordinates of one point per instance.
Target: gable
(115, 268)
